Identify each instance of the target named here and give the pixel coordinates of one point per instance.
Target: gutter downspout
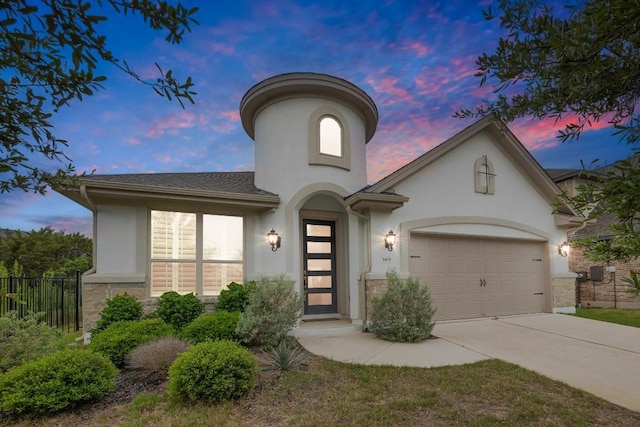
(94, 245)
(578, 297)
(367, 268)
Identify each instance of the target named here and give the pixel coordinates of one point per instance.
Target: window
(484, 176)
(196, 253)
(329, 139)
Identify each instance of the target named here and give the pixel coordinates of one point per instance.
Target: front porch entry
(319, 266)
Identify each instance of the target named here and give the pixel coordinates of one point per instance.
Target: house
(472, 218)
(599, 284)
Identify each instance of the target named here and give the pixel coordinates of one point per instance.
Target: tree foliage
(612, 195)
(579, 64)
(49, 52)
(45, 252)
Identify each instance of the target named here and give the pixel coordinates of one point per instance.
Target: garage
(479, 277)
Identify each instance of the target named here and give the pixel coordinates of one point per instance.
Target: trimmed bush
(119, 308)
(117, 341)
(153, 359)
(22, 340)
(404, 312)
(235, 297)
(274, 309)
(179, 310)
(212, 371)
(220, 325)
(56, 382)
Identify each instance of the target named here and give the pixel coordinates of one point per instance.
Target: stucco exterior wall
(281, 148)
(282, 167)
(122, 244)
(442, 200)
(444, 193)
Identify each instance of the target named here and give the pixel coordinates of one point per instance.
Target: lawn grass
(612, 315)
(329, 393)
(70, 338)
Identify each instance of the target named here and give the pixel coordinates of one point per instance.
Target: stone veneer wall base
(95, 296)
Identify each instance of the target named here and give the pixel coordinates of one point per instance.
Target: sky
(416, 59)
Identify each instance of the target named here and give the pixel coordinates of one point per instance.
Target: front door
(319, 269)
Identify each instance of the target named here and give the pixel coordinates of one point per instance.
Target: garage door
(474, 277)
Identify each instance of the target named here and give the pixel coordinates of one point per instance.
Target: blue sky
(416, 59)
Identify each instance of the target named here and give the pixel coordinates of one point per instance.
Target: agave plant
(283, 357)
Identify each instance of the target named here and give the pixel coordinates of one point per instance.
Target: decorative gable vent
(484, 176)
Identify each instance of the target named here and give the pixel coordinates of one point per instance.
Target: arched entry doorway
(323, 256)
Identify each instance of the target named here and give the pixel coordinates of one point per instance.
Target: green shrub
(22, 340)
(120, 338)
(235, 297)
(212, 371)
(153, 359)
(179, 310)
(274, 309)
(120, 307)
(56, 382)
(404, 312)
(220, 325)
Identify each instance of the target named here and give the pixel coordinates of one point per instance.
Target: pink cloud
(389, 86)
(231, 115)
(244, 167)
(180, 120)
(415, 47)
(226, 49)
(224, 127)
(82, 225)
(538, 134)
(163, 158)
(464, 67)
(133, 140)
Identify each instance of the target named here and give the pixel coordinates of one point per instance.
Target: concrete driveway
(598, 357)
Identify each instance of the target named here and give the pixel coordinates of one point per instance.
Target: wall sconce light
(563, 249)
(390, 240)
(274, 240)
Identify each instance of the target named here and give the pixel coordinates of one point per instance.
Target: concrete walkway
(598, 357)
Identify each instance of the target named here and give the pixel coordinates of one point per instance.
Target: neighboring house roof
(505, 140)
(235, 189)
(558, 175)
(599, 228)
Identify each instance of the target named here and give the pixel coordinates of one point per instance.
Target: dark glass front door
(319, 242)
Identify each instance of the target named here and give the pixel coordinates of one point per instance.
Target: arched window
(484, 176)
(329, 143)
(330, 137)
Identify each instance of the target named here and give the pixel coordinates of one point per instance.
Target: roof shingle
(225, 182)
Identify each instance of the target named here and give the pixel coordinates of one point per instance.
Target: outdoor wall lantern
(563, 249)
(274, 240)
(390, 240)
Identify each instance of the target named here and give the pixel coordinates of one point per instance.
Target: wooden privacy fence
(59, 298)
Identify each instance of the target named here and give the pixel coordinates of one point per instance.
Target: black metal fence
(59, 298)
